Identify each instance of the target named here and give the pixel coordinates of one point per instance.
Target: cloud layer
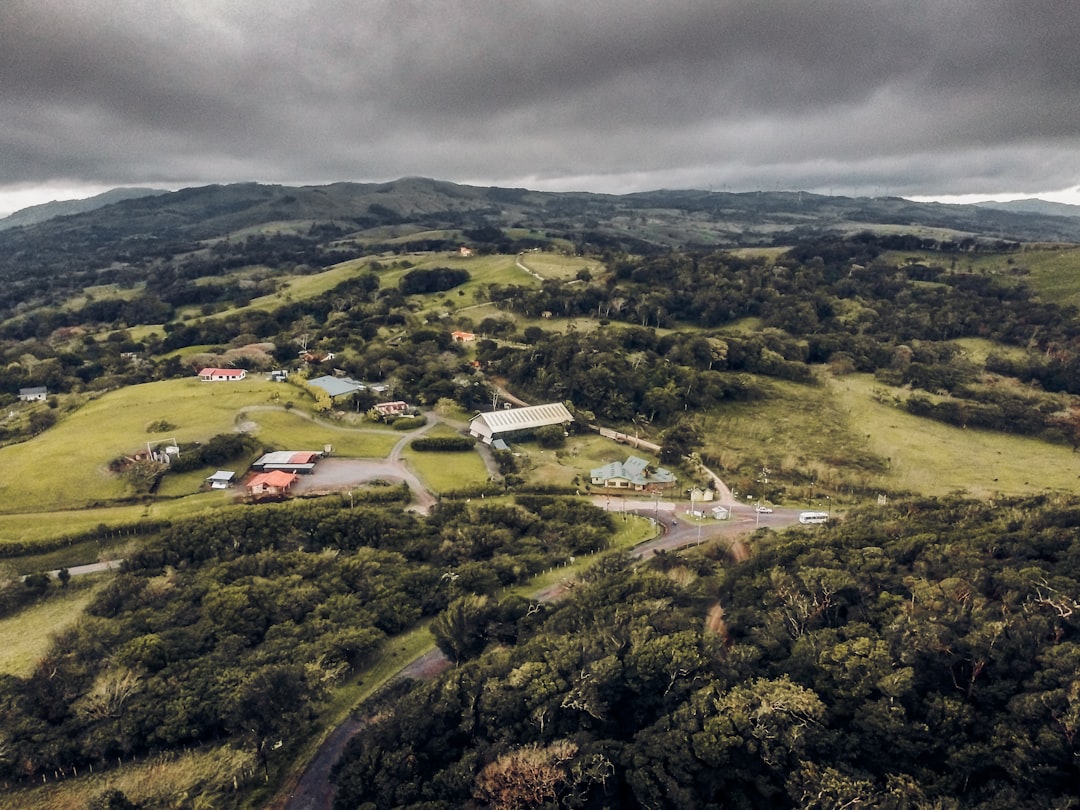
(917, 98)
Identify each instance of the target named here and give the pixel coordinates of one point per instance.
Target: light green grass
(67, 466)
(206, 773)
(560, 267)
(932, 458)
(447, 472)
(288, 430)
(27, 636)
(978, 349)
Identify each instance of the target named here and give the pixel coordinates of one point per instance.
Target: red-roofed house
(222, 374)
(276, 482)
(463, 337)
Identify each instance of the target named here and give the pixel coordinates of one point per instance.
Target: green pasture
(1054, 272)
(66, 467)
(978, 349)
(160, 781)
(27, 636)
(932, 458)
(446, 472)
(102, 292)
(559, 266)
(840, 435)
(291, 430)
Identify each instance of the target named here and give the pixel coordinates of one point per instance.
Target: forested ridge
(925, 655)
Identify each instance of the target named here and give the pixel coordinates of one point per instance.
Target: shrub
(443, 444)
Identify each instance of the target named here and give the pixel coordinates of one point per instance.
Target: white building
(489, 426)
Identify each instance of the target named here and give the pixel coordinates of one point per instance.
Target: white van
(813, 517)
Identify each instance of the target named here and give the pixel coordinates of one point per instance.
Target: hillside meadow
(66, 467)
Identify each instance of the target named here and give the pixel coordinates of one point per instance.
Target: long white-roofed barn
(500, 424)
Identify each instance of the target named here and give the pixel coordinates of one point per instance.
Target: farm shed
(222, 479)
(293, 461)
(488, 426)
(337, 386)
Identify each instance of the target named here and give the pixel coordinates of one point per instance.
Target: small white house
(36, 394)
(222, 374)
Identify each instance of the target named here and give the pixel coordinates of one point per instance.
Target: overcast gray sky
(857, 97)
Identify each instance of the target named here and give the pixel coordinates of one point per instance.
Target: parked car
(764, 510)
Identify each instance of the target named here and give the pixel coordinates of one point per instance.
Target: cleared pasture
(27, 636)
(66, 467)
(289, 430)
(446, 472)
(932, 458)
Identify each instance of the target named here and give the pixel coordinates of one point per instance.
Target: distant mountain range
(661, 219)
(36, 214)
(1054, 209)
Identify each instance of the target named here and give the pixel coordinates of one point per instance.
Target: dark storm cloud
(855, 97)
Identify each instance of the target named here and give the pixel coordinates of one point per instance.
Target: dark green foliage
(443, 444)
(921, 655)
(437, 279)
(551, 437)
(232, 625)
(218, 451)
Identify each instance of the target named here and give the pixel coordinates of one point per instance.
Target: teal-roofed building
(634, 474)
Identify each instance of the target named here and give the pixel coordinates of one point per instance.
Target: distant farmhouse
(462, 337)
(292, 461)
(38, 393)
(635, 474)
(222, 374)
(501, 424)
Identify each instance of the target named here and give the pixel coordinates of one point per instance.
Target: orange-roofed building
(276, 482)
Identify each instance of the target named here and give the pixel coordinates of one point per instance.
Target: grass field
(27, 636)
(67, 466)
(838, 432)
(932, 458)
(164, 781)
(447, 472)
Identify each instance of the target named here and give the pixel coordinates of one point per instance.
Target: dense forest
(233, 628)
(920, 656)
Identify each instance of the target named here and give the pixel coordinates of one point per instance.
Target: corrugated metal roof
(534, 416)
(337, 386)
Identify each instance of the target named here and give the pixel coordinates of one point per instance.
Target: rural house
(222, 374)
(388, 409)
(500, 424)
(463, 337)
(38, 393)
(635, 474)
(276, 482)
